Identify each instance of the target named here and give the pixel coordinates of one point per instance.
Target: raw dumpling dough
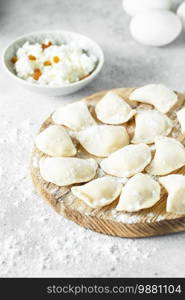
(141, 191)
(75, 116)
(127, 161)
(149, 125)
(112, 109)
(102, 140)
(156, 94)
(99, 192)
(55, 141)
(169, 156)
(175, 185)
(181, 119)
(67, 170)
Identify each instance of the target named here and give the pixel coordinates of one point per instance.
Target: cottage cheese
(53, 65)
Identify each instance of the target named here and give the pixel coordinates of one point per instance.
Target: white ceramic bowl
(57, 37)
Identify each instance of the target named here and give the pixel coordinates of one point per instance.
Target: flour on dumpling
(175, 186)
(141, 191)
(158, 95)
(102, 140)
(64, 171)
(55, 141)
(169, 156)
(181, 119)
(99, 192)
(149, 125)
(112, 109)
(127, 161)
(75, 116)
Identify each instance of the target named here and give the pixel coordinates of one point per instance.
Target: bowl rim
(85, 80)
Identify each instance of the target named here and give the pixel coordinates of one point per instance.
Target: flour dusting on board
(35, 241)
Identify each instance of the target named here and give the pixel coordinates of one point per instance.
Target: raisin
(56, 59)
(37, 73)
(47, 63)
(44, 46)
(31, 57)
(14, 59)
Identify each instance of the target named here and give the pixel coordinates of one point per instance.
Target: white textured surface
(34, 240)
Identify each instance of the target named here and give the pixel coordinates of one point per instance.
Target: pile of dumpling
(105, 138)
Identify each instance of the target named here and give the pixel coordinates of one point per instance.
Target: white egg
(133, 7)
(181, 13)
(155, 27)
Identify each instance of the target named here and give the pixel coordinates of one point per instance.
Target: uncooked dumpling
(112, 109)
(67, 170)
(127, 161)
(175, 185)
(101, 140)
(99, 192)
(169, 156)
(75, 116)
(141, 191)
(156, 94)
(149, 125)
(181, 119)
(55, 141)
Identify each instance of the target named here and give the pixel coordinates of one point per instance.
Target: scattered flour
(128, 218)
(35, 241)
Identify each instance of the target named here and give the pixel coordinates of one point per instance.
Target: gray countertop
(34, 240)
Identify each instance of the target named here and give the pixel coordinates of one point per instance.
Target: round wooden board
(148, 222)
